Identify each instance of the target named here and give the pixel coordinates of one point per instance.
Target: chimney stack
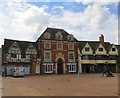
(101, 38)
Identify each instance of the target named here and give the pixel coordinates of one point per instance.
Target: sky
(26, 20)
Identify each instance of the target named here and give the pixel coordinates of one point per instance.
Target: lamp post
(79, 65)
(5, 62)
(108, 57)
(94, 62)
(78, 68)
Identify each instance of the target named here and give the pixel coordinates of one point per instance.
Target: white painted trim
(56, 69)
(44, 55)
(72, 46)
(104, 52)
(48, 64)
(113, 52)
(70, 52)
(49, 44)
(87, 52)
(71, 64)
(61, 45)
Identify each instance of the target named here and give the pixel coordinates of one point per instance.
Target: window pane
(71, 46)
(13, 55)
(100, 49)
(71, 57)
(48, 68)
(47, 45)
(72, 68)
(59, 46)
(47, 56)
(86, 48)
(113, 49)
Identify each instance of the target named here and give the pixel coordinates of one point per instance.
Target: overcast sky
(26, 21)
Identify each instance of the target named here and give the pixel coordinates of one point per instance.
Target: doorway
(87, 69)
(60, 66)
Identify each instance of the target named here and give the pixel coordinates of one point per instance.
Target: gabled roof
(23, 45)
(53, 32)
(118, 47)
(94, 45)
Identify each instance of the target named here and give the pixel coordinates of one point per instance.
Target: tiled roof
(94, 45)
(22, 45)
(53, 32)
(118, 47)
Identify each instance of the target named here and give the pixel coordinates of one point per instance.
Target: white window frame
(72, 46)
(87, 48)
(48, 68)
(46, 42)
(72, 67)
(46, 60)
(100, 48)
(59, 43)
(113, 48)
(73, 57)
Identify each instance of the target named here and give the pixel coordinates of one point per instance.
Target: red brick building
(58, 52)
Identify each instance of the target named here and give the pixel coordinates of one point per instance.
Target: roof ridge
(19, 40)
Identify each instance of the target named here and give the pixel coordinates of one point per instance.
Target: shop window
(48, 68)
(72, 68)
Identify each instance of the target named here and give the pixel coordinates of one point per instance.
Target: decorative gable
(113, 50)
(101, 50)
(14, 52)
(14, 48)
(31, 49)
(47, 35)
(59, 35)
(87, 49)
(70, 37)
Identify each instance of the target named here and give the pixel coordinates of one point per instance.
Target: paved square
(61, 85)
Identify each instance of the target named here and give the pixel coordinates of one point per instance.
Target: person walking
(104, 71)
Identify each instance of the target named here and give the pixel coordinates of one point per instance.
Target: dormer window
(70, 37)
(87, 49)
(47, 35)
(100, 49)
(113, 49)
(59, 36)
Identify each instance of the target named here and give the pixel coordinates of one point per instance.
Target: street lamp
(79, 64)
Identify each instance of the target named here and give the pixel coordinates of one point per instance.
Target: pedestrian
(104, 71)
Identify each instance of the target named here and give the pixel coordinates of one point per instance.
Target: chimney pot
(101, 38)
